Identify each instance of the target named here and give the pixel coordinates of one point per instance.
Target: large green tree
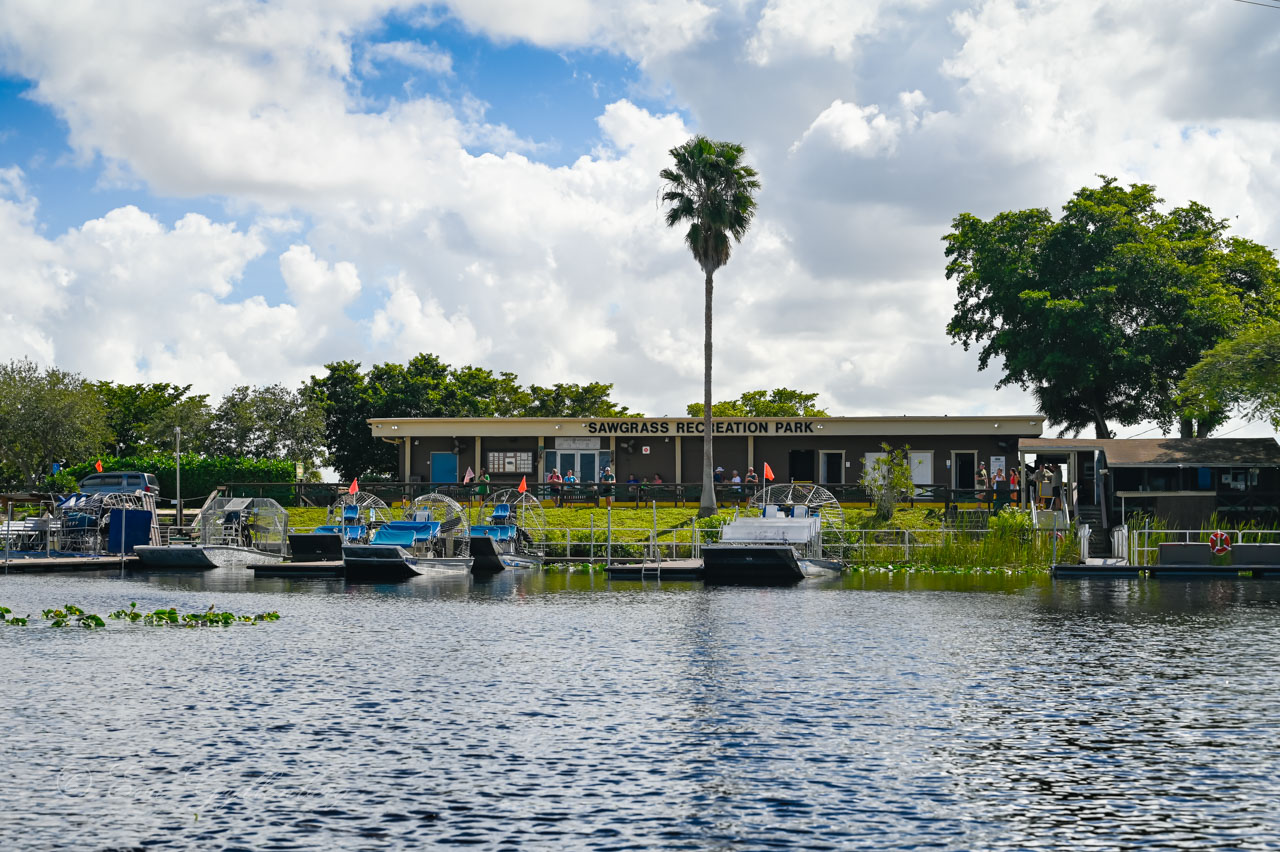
(47, 416)
(570, 400)
(426, 386)
(779, 402)
(1101, 312)
(139, 415)
(270, 422)
(1241, 373)
(710, 188)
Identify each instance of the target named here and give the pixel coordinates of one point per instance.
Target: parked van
(120, 481)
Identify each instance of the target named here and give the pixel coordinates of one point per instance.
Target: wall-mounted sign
(695, 427)
(577, 443)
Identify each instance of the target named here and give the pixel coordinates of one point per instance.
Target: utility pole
(177, 463)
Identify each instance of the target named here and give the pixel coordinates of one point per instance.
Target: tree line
(49, 416)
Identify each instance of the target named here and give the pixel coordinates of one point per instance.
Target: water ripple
(553, 712)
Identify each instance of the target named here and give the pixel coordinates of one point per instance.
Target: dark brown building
(830, 450)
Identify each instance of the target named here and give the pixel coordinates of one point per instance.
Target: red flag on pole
(98, 466)
(355, 487)
(768, 473)
(524, 486)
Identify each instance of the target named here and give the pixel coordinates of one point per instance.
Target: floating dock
(59, 564)
(1117, 568)
(671, 569)
(320, 569)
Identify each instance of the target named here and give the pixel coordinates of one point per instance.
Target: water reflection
(879, 711)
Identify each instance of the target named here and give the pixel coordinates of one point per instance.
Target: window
(868, 465)
(511, 462)
(922, 468)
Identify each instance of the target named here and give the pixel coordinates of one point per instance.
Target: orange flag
(524, 486)
(355, 487)
(768, 472)
(98, 466)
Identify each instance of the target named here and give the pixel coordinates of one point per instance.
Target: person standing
(555, 479)
(606, 485)
(482, 484)
(981, 493)
(1055, 482)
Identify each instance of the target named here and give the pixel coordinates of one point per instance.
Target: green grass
(871, 543)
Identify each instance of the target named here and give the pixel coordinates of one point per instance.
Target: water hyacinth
(69, 614)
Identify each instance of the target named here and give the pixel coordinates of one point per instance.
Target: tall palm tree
(714, 191)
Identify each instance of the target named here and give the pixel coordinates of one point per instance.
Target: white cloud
(410, 54)
(860, 130)
(872, 125)
(642, 29)
(820, 28)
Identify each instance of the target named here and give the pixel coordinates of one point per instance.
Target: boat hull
(761, 565)
(195, 557)
(380, 563)
(315, 547)
(490, 557)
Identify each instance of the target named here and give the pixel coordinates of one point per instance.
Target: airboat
(432, 539)
(79, 525)
(352, 519)
(795, 534)
(513, 536)
(228, 532)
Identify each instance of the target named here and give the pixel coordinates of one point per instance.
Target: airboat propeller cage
(83, 515)
(369, 508)
(455, 530)
(256, 522)
(526, 512)
(818, 502)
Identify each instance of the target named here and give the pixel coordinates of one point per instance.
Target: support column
(1022, 486)
(479, 458)
(679, 461)
(408, 458)
(751, 453)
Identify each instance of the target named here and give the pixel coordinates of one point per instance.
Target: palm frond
(709, 187)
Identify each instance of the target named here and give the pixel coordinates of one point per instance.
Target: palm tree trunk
(707, 507)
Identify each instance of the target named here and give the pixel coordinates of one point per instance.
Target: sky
(240, 191)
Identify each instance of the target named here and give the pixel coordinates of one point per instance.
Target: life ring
(1220, 543)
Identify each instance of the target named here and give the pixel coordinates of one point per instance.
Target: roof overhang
(1012, 426)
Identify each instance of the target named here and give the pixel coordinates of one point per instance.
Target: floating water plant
(70, 614)
(5, 618)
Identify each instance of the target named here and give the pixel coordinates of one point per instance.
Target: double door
(583, 463)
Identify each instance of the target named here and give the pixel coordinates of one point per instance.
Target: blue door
(444, 467)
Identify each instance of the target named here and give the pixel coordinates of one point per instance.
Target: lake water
(564, 712)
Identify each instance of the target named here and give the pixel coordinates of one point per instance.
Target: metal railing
(1144, 542)
(635, 494)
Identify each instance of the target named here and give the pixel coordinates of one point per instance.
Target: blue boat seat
(398, 537)
(501, 514)
(506, 532)
(422, 516)
(355, 533)
(333, 529)
(422, 530)
(771, 511)
(350, 513)
(799, 511)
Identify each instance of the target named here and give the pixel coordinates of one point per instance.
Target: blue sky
(241, 192)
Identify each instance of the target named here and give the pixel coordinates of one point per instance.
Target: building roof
(1011, 426)
(1167, 452)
